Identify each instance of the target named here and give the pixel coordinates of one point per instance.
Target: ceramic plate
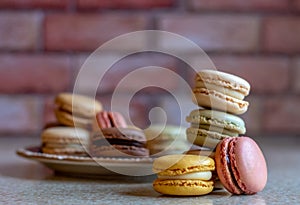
(87, 166)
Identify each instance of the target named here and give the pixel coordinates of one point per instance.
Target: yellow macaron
(183, 175)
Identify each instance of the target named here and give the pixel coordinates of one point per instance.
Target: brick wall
(43, 43)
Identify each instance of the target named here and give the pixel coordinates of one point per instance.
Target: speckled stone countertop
(27, 182)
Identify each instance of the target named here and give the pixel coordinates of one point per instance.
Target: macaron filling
(240, 103)
(62, 109)
(107, 141)
(229, 165)
(231, 123)
(225, 90)
(204, 175)
(225, 80)
(221, 130)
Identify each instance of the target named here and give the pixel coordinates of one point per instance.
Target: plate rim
(27, 153)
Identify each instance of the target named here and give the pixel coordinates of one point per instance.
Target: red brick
(34, 73)
(239, 5)
(282, 115)
(34, 4)
(19, 31)
(281, 34)
(214, 32)
(265, 74)
(19, 114)
(127, 65)
(87, 32)
(296, 5)
(124, 4)
(48, 110)
(296, 76)
(253, 117)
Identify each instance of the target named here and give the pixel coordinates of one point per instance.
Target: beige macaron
(221, 91)
(164, 140)
(76, 110)
(65, 141)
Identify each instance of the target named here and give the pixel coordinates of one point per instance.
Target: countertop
(28, 182)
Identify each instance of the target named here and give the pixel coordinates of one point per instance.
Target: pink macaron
(107, 119)
(241, 165)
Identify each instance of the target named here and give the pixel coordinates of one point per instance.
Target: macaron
(107, 119)
(209, 127)
(241, 165)
(118, 142)
(76, 110)
(183, 175)
(165, 140)
(65, 141)
(221, 91)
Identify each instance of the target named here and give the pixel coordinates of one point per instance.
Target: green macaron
(208, 127)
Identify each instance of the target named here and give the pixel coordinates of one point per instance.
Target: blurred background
(43, 43)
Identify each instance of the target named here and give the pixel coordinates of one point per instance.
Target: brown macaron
(118, 142)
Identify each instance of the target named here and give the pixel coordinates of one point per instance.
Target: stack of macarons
(239, 162)
(165, 140)
(76, 110)
(220, 97)
(70, 135)
(115, 139)
(215, 129)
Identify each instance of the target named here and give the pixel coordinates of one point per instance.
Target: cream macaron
(221, 91)
(76, 110)
(164, 140)
(65, 141)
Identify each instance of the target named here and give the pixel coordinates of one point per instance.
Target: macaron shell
(168, 147)
(168, 132)
(204, 138)
(78, 104)
(216, 100)
(65, 135)
(183, 187)
(110, 119)
(248, 165)
(241, 166)
(117, 119)
(225, 80)
(103, 120)
(123, 133)
(65, 140)
(182, 164)
(215, 129)
(215, 118)
(223, 169)
(66, 118)
(127, 142)
(226, 91)
(119, 151)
